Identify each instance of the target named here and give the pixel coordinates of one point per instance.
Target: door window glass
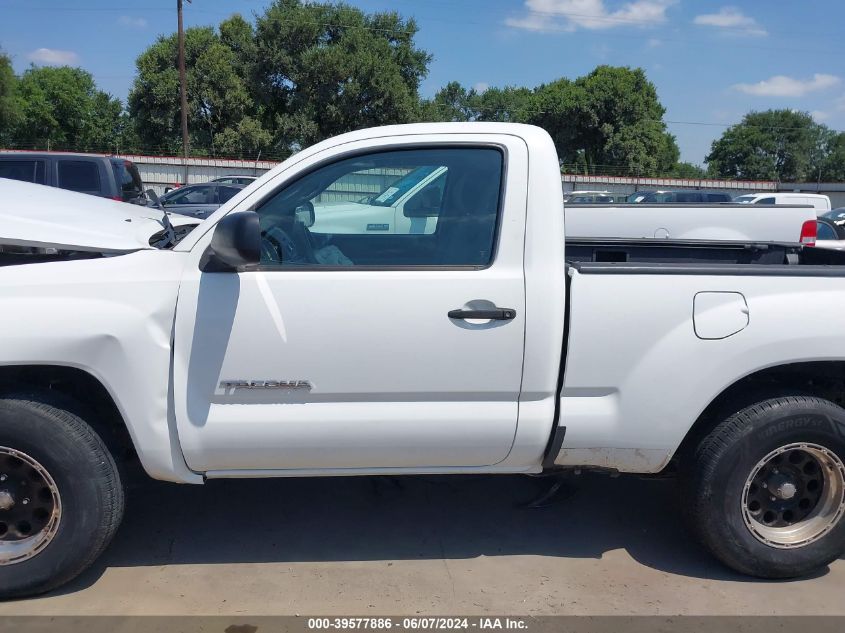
(189, 195)
(26, 170)
(426, 207)
(79, 175)
(224, 194)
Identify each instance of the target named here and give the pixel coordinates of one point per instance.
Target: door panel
(384, 378)
(395, 381)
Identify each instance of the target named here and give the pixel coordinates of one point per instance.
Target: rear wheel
(766, 489)
(61, 498)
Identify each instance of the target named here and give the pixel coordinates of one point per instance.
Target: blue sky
(711, 61)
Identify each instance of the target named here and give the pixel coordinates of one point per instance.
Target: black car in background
(104, 176)
(681, 197)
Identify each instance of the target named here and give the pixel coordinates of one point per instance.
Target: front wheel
(61, 498)
(766, 489)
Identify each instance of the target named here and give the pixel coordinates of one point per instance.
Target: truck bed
(656, 328)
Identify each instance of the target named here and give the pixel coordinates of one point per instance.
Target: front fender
(112, 318)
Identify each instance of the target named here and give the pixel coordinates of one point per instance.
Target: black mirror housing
(236, 243)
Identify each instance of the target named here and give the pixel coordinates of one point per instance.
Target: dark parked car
(834, 215)
(198, 201)
(682, 197)
(104, 176)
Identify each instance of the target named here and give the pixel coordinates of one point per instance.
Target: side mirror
(305, 214)
(236, 242)
(426, 204)
(152, 196)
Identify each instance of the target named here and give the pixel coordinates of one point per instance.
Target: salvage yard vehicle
(818, 201)
(678, 221)
(98, 175)
(683, 196)
(235, 179)
(257, 346)
(590, 197)
(198, 201)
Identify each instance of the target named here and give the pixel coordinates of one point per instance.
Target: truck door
(363, 350)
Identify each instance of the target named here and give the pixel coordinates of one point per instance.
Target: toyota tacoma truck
(259, 345)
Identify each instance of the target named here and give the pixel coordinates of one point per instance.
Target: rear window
(79, 175)
(765, 201)
(128, 178)
(25, 170)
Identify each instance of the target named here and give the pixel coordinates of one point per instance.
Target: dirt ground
(404, 546)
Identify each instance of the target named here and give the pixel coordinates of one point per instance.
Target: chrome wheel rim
(794, 495)
(30, 507)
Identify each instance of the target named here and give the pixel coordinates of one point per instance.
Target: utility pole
(183, 86)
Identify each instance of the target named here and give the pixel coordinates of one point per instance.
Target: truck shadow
(403, 518)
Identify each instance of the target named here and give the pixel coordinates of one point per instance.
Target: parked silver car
(199, 201)
(235, 179)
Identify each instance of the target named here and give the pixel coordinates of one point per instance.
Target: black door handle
(497, 314)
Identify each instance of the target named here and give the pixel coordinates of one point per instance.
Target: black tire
(88, 485)
(714, 484)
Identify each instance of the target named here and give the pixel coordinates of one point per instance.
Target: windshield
(400, 187)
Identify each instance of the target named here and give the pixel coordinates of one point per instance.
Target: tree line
(304, 72)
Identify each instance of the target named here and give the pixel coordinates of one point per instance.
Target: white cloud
(819, 116)
(480, 87)
(133, 22)
(653, 42)
(53, 57)
(783, 86)
(733, 19)
(840, 104)
(569, 15)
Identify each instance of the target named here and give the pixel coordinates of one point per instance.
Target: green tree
(218, 95)
(306, 71)
(833, 163)
(60, 107)
(246, 139)
(510, 104)
(687, 170)
(782, 145)
(617, 121)
(608, 120)
(324, 69)
(9, 106)
(453, 102)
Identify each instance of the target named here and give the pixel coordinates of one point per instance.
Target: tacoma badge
(266, 384)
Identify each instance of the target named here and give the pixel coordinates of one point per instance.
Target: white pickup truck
(786, 222)
(256, 345)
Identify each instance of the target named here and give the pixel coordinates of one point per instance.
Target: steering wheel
(289, 245)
